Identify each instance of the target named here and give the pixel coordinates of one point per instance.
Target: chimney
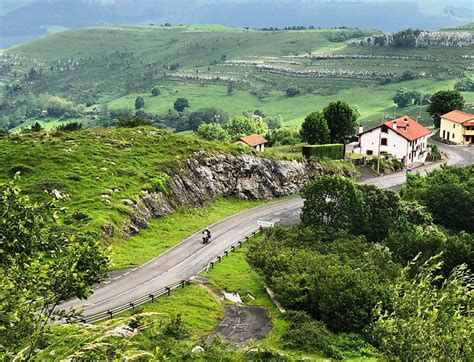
(395, 125)
(405, 120)
(361, 128)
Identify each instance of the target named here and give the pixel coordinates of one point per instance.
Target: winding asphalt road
(190, 256)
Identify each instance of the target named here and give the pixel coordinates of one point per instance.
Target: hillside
(113, 65)
(95, 170)
(29, 19)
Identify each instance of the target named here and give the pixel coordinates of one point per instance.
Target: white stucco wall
(397, 145)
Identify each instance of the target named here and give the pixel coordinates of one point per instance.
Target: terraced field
(113, 65)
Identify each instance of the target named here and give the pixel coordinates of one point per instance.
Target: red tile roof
(253, 140)
(408, 128)
(458, 116)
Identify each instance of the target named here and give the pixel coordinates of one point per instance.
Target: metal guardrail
(110, 313)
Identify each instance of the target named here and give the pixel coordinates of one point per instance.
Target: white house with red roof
(403, 138)
(457, 127)
(253, 140)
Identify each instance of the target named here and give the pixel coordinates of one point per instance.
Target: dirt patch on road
(242, 324)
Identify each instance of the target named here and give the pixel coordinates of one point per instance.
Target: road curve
(190, 256)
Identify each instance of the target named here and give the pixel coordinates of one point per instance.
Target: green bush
(70, 127)
(160, 183)
(3, 132)
(20, 168)
(435, 152)
(131, 122)
(334, 151)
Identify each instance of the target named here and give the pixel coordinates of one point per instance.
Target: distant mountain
(30, 19)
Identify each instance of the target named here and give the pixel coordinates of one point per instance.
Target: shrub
(175, 329)
(292, 91)
(332, 151)
(435, 153)
(155, 92)
(70, 127)
(160, 183)
(20, 168)
(36, 127)
(131, 122)
(3, 132)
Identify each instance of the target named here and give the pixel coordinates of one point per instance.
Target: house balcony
(469, 132)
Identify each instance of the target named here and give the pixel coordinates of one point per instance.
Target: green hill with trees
(96, 75)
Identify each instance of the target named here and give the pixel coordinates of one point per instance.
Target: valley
(103, 70)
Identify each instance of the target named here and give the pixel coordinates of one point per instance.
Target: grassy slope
(164, 233)
(195, 47)
(200, 309)
(98, 168)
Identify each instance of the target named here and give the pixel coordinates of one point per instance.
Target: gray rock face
(202, 179)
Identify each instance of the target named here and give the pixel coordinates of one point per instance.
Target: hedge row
(334, 151)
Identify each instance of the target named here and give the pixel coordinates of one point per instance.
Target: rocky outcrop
(203, 178)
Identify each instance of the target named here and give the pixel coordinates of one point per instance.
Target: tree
(341, 119)
(207, 115)
(405, 97)
(180, 104)
(282, 136)
(444, 192)
(139, 103)
(429, 317)
(155, 91)
(36, 127)
(314, 129)
(335, 201)
(443, 102)
(230, 87)
(3, 132)
(292, 91)
(242, 126)
(212, 132)
(40, 267)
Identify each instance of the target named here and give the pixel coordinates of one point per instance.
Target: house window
(444, 134)
(370, 152)
(454, 125)
(384, 141)
(453, 135)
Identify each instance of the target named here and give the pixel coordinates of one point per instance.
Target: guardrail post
(152, 297)
(168, 291)
(219, 258)
(232, 248)
(226, 253)
(246, 239)
(109, 312)
(212, 265)
(183, 283)
(83, 320)
(133, 306)
(254, 233)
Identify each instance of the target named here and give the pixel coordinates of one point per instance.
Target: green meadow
(112, 65)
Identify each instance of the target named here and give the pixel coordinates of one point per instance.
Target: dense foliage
(344, 267)
(314, 129)
(321, 152)
(40, 267)
(443, 102)
(428, 317)
(448, 195)
(341, 119)
(241, 126)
